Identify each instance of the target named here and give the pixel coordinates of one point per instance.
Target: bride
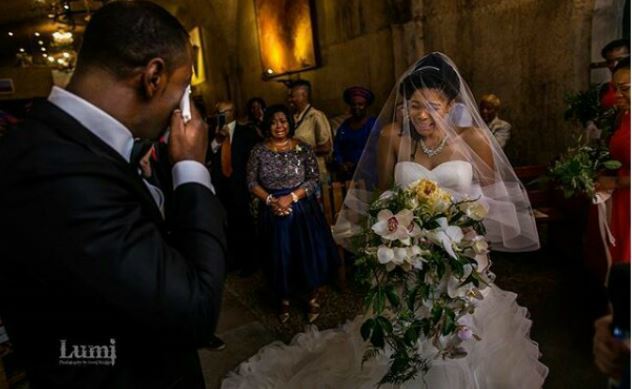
(429, 128)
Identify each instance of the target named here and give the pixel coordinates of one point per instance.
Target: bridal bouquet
(424, 259)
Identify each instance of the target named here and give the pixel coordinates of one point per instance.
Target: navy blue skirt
(300, 253)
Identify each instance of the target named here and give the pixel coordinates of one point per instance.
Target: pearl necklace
(432, 152)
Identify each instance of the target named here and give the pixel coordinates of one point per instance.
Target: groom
(98, 289)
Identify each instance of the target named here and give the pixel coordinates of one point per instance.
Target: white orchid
(385, 254)
(465, 333)
(406, 257)
(477, 248)
(393, 227)
(414, 231)
(446, 235)
(480, 245)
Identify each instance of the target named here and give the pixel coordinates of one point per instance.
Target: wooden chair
(541, 194)
(333, 196)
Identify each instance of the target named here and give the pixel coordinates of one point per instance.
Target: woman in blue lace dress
(298, 249)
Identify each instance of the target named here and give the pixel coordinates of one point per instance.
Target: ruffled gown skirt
(504, 358)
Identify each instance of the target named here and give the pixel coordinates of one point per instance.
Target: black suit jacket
(245, 137)
(87, 258)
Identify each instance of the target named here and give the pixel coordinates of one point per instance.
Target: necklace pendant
(433, 152)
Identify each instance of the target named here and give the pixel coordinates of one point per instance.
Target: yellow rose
(425, 189)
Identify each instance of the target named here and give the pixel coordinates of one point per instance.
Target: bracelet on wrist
(294, 197)
(269, 199)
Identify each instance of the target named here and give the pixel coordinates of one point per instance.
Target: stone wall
(528, 52)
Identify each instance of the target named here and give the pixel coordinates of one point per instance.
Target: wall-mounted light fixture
(287, 36)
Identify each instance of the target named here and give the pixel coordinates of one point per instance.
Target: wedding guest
(619, 184)
(299, 251)
(612, 53)
(255, 108)
(231, 149)
(489, 108)
(88, 258)
(312, 126)
(353, 133)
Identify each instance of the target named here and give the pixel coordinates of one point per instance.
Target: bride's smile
(427, 108)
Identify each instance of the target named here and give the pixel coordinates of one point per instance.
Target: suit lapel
(71, 129)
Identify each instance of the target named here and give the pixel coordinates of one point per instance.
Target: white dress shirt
(118, 137)
(231, 129)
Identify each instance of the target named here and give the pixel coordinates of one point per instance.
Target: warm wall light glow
(21, 50)
(40, 42)
(43, 48)
(285, 36)
(66, 55)
(199, 72)
(62, 37)
(10, 33)
(51, 59)
(37, 34)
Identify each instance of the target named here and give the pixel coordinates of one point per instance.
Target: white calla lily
(447, 236)
(385, 255)
(386, 195)
(454, 287)
(401, 254)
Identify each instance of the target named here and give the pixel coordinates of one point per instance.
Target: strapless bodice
(452, 175)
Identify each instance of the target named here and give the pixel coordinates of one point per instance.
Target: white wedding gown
(504, 358)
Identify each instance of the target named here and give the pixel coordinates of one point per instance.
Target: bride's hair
(432, 72)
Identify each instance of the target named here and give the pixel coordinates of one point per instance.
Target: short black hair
(253, 100)
(615, 45)
(432, 72)
(124, 35)
(623, 64)
(269, 115)
(303, 84)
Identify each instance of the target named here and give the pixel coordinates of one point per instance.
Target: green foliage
(585, 106)
(576, 171)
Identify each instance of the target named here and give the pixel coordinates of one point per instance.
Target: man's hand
(221, 134)
(188, 141)
(611, 355)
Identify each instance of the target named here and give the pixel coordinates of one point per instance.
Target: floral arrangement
(424, 260)
(576, 171)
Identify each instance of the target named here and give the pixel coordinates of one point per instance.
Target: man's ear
(154, 77)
